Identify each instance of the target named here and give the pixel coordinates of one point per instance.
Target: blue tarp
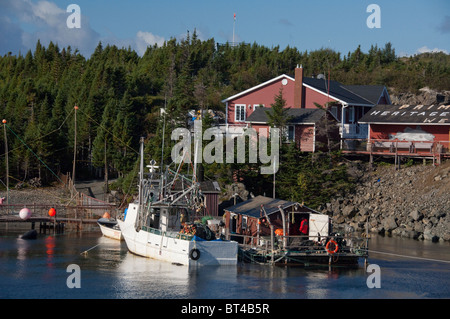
(196, 238)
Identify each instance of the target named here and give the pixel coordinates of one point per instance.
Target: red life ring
(327, 247)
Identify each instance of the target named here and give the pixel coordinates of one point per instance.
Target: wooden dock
(77, 215)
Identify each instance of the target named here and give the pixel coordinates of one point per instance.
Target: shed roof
(408, 114)
(298, 116)
(252, 207)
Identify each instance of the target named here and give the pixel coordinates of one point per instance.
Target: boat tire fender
(336, 247)
(194, 254)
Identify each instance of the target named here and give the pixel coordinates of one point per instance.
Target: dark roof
(372, 93)
(252, 207)
(343, 92)
(408, 114)
(298, 116)
(209, 187)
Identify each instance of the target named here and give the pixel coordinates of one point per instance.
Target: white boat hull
(159, 245)
(111, 232)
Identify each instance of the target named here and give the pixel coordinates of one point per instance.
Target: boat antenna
(141, 170)
(164, 129)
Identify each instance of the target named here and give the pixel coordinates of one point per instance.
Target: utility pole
(7, 164)
(74, 147)
(234, 23)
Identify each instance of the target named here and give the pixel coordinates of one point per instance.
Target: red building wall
(264, 95)
(311, 96)
(382, 131)
(304, 135)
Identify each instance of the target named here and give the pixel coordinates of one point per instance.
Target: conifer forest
(119, 96)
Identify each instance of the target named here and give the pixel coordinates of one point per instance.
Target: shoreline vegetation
(119, 96)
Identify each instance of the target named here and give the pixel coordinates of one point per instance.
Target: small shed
(253, 219)
(211, 191)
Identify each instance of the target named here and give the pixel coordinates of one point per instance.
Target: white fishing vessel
(158, 224)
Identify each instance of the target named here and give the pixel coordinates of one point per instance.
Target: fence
(273, 249)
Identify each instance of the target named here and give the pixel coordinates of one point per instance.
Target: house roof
(298, 116)
(252, 207)
(408, 114)
(280, 77)
(365, 95)
(372, 93)
(337, 91)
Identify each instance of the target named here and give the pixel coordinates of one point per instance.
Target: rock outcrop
(412, 202)
(426, 96)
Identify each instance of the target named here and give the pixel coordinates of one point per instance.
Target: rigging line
(413, 257)
(34, 154)
(117, 138)
(41, 137)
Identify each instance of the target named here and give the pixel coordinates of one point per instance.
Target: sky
(413, 26)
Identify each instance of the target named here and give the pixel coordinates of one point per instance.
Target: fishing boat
(161, 223)
(110, 228)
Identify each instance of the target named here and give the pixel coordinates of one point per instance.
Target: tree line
(120, 94)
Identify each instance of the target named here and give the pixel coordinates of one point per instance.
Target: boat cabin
(252, 220)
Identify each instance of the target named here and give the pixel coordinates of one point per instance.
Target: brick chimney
(298, 87)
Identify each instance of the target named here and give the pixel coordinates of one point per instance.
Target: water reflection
(108, 270)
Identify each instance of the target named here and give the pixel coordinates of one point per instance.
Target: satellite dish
(321, 76)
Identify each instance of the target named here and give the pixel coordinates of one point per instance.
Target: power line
(413, 257)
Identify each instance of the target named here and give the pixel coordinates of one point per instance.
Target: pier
(77, 215)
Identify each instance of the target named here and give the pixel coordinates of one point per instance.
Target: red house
(350, 102)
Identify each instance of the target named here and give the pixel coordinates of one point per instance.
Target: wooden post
(271, 233)
(7, 168)
(283, 218)
(74, 146)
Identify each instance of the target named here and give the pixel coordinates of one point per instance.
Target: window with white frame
(244, 222)
(289, 132)
(239, 112)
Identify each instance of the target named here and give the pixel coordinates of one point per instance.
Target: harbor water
(43, 268)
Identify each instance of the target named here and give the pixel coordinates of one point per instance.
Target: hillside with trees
(120, 95)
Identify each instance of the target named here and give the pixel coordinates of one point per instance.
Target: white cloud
(145, 39)
(44, 21)
(425, 49)
(23, 23)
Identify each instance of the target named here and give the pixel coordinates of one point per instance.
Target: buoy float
(25, 213)
(279, 232)
(52, 212)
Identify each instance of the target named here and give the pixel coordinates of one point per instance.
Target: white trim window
(239, 112)
(289, 132)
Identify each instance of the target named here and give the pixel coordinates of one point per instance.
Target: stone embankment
(412, 202)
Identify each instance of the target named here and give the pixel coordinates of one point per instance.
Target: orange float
(52, 212)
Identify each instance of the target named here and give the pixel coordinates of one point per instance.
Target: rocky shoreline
(411, 202)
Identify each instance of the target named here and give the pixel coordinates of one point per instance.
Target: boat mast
(141, 172)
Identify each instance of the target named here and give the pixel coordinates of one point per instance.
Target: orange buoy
(106, 215)
(51, 212)
(279, 232)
